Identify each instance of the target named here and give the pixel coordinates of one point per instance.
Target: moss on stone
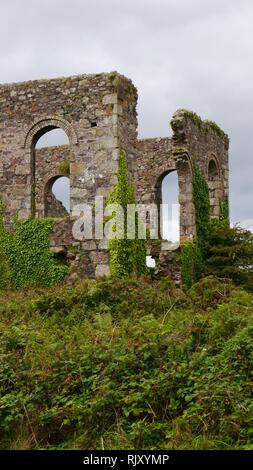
(114, 78)
(212, 125)
(205, 125)
(64, 167)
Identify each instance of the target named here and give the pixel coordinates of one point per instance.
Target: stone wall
(155, 160)
(48, 170)
(88, 258)
(194, 142)
(98, 114)
(199, 142)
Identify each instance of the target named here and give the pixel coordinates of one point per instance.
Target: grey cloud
(194, 54)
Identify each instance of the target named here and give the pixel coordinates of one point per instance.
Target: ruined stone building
(98, 114)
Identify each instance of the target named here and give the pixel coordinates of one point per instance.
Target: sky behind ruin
(194, 54)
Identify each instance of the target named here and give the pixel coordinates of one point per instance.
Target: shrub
(25, 257)
(102, 365)
(230, 255)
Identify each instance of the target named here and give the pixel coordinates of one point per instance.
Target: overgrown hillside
(127, 364)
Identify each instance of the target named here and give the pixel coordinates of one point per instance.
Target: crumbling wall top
(186, 123)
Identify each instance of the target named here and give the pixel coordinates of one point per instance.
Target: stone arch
(158, 186)
(40, 128)
(45, 125)
(214, 185)
(52, 206)
(159, 198)
(213, 168)
(184, 167)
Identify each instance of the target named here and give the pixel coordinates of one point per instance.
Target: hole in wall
(52, 138)
(150, 262)
(213, 172)
(52, 199)
(57, 197)
(61, 256)
(170, 213)
(61, 190)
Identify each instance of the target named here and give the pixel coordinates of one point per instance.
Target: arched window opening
(50, 162)
(57, 197)
(212, 171)
(52, 138)
(169, 212)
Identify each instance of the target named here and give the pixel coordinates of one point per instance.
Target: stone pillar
(187, 209)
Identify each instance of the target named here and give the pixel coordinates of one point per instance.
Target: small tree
(126, 256)
(229, 255)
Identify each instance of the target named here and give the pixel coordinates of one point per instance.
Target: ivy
(126, 256)
(193, 253)
(25, 256)
(224, 212)
(202, 207)
(191, 263)
(31, 259)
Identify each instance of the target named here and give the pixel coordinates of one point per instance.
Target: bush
(25, 257)
(229, 255)
(102, 365)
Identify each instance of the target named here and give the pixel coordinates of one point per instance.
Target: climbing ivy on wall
(193, 253)
(25, 257)
(191, 263)
(224, 212)
(126, 256)
(202, 207)
(31, 259)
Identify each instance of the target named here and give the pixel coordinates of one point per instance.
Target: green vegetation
(131, 364)
(64, 167)
(202, 207)
(114, 78)
(229, 254)
(191, 263)
(126, 256)
(205, 125)
(215, 128)
(128, 362)
(224, 212)
(219, 249)
(193, 116)
(25, 257)
(193, 252)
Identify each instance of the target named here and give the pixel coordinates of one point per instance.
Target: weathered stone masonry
(98, 114)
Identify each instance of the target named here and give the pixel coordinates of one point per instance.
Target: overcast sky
(195, 54)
